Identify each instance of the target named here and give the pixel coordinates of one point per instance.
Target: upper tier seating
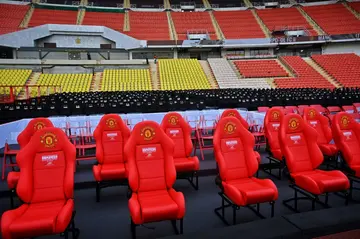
(307, 77)
(334, 19)
(355, 5)
(190, 21)
(149, 25)
(147, 4)
(13, 78)
(111, 20)
(345, 68)
(47, 16)
(260, 68)
(227, 3)
(182, 74)
(11, 16)
(67, 82)
(227, 78)
(238, 24)
(126, 80)
(279, 18)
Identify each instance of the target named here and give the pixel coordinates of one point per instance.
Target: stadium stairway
(96, 82)
(219, 33)
(206, 4)
(285, 67)
(172, 31)
(126, 22)
(233, 66)
(209, 74)
(154, 76)
(127, 4)
(357, 15)
(312, 23)
(167, 4)
(25, 22)
(248, 3)
(262, 25)
(31, 81)
(80, 16)
(322, 72)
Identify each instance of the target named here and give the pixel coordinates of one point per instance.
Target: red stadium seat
(46, 187)
(179, 131)
(111, 134)
(234, 154)
(321, 124)
(152, 173)
(23, 139)
(236, 114)
(298, 142)
(346, 133)
(272, 123)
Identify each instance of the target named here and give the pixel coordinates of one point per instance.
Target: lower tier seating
(260, 68)
(11, 16)
(47, 16)
(13, 78)
(345, 68)
(126, 80)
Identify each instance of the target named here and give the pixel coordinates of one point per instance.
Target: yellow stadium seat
(13, 78)
(182, 74)
(126, 80)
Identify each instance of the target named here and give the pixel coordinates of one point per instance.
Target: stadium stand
(11, 16)
(13, 78)
(260, 68)
(285, 18)
(147, 4)
(106, 3)
(355, 6)
(345, 68)
(193, 21)
(227, 3)
(126, 80)
(238, 24)
(334, 19)
(182, 74)
(47, 16)
(306, 76)
(149, 25)
(112, 20)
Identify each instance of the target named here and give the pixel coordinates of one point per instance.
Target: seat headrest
(173, 120)
(311, 113)
(231, 112)
(293, 123)
(148, 132)
(274, 115)
(49, 139)
(38, 123)
(111, 122)
(344, 121)
(230, 127)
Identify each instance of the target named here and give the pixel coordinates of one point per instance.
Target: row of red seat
(260, 68)
(11, 17)
(46, 16)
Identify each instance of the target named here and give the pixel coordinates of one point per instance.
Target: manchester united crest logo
(293, 123)
(49, 140)
(345, 121)
(231, 114)
(275, 115)
(39, 125)
(173, 120)
(312, 113)
(148, 133)
(111, 123)
(230, 128)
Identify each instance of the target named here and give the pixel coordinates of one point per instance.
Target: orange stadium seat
(355, 6)
(260, 68)
(11, 16)
(47, 16)
(149, 25)
(111, 20)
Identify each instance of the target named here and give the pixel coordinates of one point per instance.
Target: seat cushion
(112, 171)
(12, 179)
(250, 191)
(276, 153)
(186, 164)
(32, 220)
(328, 149)
(319, 181)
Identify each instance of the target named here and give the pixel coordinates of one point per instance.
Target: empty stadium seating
(126, 80)
(334, 19)
(149, 25)
(182, 74)
(260, 68)
(306, 76)
(355, 6)
(192, 21)
(345, 68)
(48, 16)
(111, 20)
(281, 18)
(238, 24)
(11, 16)
(13, 78)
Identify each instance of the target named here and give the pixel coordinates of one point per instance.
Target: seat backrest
(111, 135)
(346, 133)
(235, 113)
(179, 131)
(234, 150)
(149, 153)
(320, 123)
(33, 126)
(46, 167)
(272, 125)
(298, 142)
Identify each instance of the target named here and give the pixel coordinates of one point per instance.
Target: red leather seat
(46, 187)
(152, 173)
(346, 132)
(234, 154)
(111, 134)
(321, 124)
(272, 123)
(23, 139)
(298, 143)
(236, 114)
